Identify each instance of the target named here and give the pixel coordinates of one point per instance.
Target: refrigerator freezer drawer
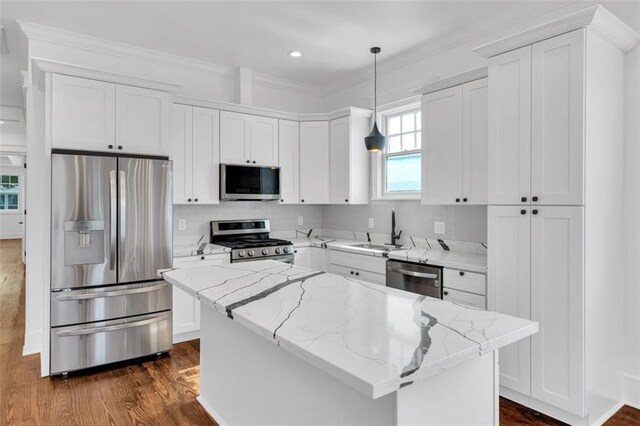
(83, 346)
(106, 303)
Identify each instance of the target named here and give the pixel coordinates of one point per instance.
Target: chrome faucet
(394, 237)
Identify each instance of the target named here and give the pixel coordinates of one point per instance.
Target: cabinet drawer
(204, 260)
(464, 298)
(358, 274)
(376, 265)
(465, 281)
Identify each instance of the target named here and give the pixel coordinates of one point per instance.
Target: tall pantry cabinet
(555, 178)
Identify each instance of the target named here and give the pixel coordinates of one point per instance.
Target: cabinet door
(442, 147)
(509, 147)
(235, 132)
(475, 134)
(206, 156)
(182, 154)
(339, 161)
(264, 141)
(82, 114)
(464, 298)
(557, 303)
(303, 257)
(509, 287)
(186, 314)
(319, 259)
(314, 162)
(557, 137)
(142, 121)
(289, 158)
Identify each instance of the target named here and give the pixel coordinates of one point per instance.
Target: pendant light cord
(375, 87)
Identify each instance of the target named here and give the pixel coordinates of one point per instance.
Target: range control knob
(277, 250)
(251, 253)
(286, 249)
(265, 252)
(241, 253)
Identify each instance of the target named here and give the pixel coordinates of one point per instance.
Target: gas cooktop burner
(249, 240)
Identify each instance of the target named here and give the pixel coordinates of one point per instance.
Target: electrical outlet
(438, 227)
(300, 220)
(182, 225)
(371, 225)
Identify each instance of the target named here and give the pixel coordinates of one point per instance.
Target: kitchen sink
(376, 247)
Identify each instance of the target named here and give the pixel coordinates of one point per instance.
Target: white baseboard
(32, 343)
(631, 390)
(209, 409)
(184, 337)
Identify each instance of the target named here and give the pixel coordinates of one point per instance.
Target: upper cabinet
(97, 116)
(349, 160)
(82, 114)
(314, 162)
(454, 144)
(195, 154)
(289, 156)
(248, 139)
(536, 129)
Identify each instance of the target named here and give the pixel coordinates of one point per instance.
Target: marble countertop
(191, 250)
(448, 259)
(374, 338)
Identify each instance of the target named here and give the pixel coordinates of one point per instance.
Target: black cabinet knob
(248, 161)
(534, 198)
(110, 146)
(534, 211)
(346, 200)
(357, 273)
(196, 200)
(302, 201)
(119, 146)
(446, 293)
(201, 257)
(282, 200)
(523, 211)
(351, 272)
(457, 200)
(464, 199)
(461, 274)
(523, 199)
(254, 161)
(189, 199)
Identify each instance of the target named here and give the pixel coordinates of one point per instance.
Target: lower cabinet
(311, 257)
(186, 308)
(465, 288)
(302, 257)
(363, 267)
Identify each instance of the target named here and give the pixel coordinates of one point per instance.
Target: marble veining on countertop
(434, 256)
(192, 249)
(374, 338)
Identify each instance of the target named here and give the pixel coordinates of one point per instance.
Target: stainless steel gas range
(249, 240)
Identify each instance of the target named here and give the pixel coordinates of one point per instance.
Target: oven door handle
(414, 274)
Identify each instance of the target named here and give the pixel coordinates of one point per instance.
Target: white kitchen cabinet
(509, 147)
(248, 139)
(557, 120)
(358, 274)
(82, 114)
(464, 298)
(195, 154)
(557, 303)
(302, 257)
(509, 286)
(319, 258)
(289, 157)
(471, 282)
(186, 308)
(348, 160)
(360, 266)
(142, 121)
(314, 162)
(454, 145)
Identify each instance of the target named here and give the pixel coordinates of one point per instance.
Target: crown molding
(41, 66)
(596, 18)
(454, 80)
(283, 83)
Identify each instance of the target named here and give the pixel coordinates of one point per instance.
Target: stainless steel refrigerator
(111, 230)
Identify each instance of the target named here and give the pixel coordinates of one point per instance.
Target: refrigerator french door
(111, 224)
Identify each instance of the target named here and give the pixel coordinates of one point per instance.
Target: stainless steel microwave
(249, 183)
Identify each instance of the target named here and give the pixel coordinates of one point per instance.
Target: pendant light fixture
(376, 141)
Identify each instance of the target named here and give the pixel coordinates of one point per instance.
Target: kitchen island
(283, 344)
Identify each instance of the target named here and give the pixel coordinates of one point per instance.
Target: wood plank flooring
(153, 392)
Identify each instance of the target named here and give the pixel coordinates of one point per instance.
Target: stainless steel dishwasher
(416, 278)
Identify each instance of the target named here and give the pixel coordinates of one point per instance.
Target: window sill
(403, 197)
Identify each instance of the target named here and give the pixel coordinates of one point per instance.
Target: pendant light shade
(376, 141)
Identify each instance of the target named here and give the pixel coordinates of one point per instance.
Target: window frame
(379, 168)
(18, 209)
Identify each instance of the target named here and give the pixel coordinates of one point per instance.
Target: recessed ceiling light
(1, 122)
(295, 54)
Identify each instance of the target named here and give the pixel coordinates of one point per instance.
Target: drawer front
(465, 281)
(105, 303)
(358, 274)
(204, 260)
(89, 345)
(464, 298)
(376, 265)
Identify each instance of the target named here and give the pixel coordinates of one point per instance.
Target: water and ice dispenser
(84, 242)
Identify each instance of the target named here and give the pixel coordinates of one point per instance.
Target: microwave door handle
(113, 217)
(414, 274)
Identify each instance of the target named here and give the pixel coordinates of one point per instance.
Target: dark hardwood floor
(153, 392)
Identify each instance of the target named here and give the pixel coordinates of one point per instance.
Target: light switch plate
(182, 225)
(371, 223)
(438, 227)
(300, 220)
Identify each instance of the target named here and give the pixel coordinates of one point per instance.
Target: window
(9, 190)
(401, 160)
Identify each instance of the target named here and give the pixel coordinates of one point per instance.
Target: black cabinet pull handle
(464, 199)
(534, 198)
(534, 211)
(119, 146)
(110, 146)
(457, 200)
(189, 199)
(523, 199)
(461, 274)
(523, 211)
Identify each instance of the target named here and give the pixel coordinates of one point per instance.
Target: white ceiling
(334, 36)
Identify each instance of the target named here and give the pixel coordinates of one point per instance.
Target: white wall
(13, 138)
(10, 226)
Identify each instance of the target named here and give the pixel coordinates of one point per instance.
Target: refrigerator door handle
(122, 180)
(113, 218)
